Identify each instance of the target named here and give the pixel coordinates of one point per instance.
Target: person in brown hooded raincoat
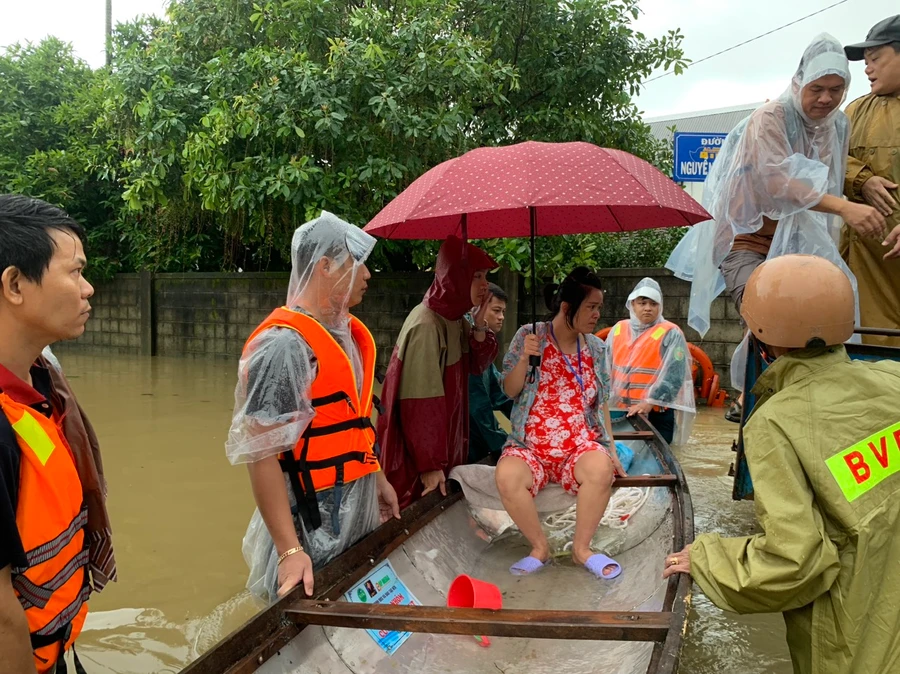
(423, 432)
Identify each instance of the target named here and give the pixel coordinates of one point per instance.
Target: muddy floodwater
(179, 511)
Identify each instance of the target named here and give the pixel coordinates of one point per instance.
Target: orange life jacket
(50, 516)
(636, 365)
(338, 445)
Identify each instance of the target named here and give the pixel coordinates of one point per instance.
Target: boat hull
(428, 555)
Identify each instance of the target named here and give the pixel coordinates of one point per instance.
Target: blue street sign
(694, 155)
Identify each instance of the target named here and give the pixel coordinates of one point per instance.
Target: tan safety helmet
(794, 301)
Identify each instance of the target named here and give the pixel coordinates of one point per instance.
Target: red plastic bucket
(468, 592)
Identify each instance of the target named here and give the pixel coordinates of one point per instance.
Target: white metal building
(721, 120)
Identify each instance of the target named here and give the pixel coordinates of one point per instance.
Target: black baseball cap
(882, 33)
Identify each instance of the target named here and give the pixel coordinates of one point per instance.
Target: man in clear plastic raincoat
(650, 364)
(775, 187)
(302, 415)
(823, 448)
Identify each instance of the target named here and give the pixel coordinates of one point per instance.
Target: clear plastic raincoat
(272, 402)
(671, 385)
(778, 163)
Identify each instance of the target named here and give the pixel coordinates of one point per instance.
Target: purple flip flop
(596, 563)
(526, 566)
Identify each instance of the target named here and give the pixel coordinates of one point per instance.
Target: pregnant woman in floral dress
(559, 422)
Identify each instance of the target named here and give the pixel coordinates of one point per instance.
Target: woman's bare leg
(514, 481)
(594, 474)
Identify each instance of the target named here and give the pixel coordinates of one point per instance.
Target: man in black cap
(873, 173)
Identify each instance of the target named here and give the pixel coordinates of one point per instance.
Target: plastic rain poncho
(272, 403)
(673, 386)
(777, 163)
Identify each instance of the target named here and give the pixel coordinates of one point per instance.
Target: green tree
(239, 121)
(49, 102)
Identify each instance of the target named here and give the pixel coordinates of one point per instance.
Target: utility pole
(108, 32)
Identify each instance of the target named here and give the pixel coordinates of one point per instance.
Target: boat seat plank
(634, 435)
(535, 624)
(646, 481)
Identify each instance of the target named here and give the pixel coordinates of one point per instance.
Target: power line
(752, 39)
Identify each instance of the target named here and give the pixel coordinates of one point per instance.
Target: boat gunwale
(274, 626)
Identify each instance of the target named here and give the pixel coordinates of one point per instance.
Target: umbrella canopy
(558, 188)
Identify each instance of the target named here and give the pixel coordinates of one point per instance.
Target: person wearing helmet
(823, 446)
(650, 364)
(302, 412)
(776, 188)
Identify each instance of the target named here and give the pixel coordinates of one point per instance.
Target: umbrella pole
(465, 227)
(534, 361)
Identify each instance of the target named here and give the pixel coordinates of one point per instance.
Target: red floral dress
(557, 433)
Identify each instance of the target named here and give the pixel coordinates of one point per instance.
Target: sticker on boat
(382, 586)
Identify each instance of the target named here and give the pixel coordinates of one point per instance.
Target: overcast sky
(748, 74)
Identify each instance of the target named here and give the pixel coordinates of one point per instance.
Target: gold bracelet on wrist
(288, 553)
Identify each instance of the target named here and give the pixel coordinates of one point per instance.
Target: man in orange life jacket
(302, 415)
(649, 364)
(44, 550)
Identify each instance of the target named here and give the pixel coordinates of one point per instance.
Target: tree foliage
(49, 103)
(219, 130)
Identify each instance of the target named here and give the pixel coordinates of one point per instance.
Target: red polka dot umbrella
(559, 188)
(536, 189)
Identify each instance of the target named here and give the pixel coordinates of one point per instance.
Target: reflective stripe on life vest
(52, 588)
(337, 446)
(636, 364)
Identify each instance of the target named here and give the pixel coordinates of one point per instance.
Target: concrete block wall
(115, 323)
(209, 314)
(212, 314)
(388, 301)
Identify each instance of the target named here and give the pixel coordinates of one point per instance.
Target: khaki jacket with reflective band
(823, 448)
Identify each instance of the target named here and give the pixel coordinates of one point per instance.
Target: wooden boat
(560, 619)
(743, 485)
